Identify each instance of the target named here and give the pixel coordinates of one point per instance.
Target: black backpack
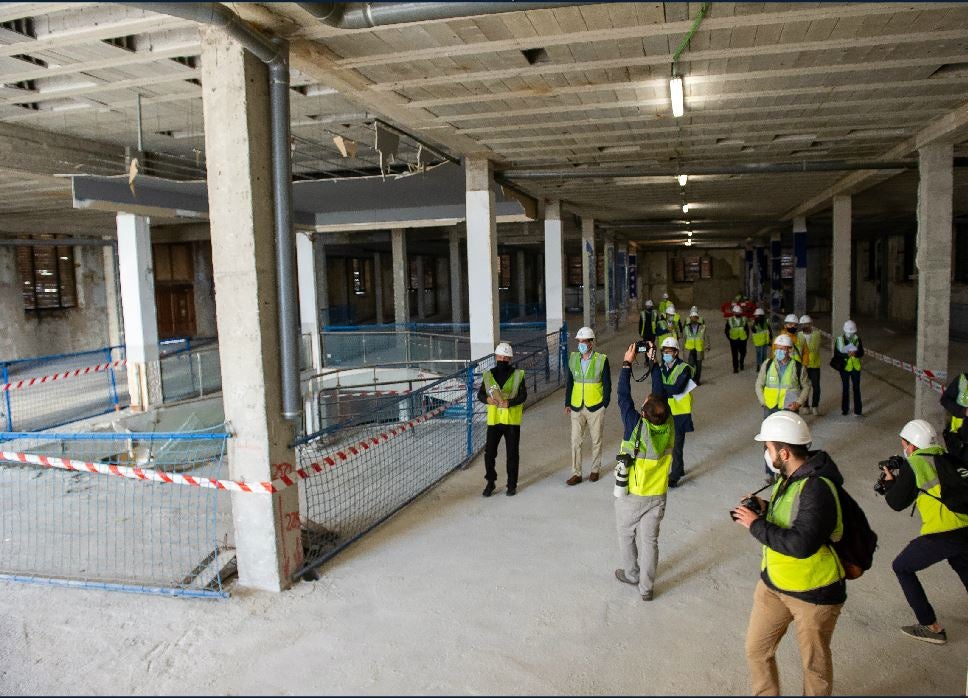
(953, 478)
(858, 542)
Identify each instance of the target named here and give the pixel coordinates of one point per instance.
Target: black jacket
(502, 371)
(815, 523)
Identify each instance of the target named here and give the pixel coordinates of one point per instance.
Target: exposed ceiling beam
(19, 10)
(124, 60)
(42, 152)
(84, 34)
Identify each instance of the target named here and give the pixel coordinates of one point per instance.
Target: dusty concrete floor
(463, 595)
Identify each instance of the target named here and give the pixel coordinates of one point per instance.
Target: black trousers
(921, 553)
(695, 360)
(737, 348)
(512, 440)
(846, 378)
(678, 468)
(814, 375)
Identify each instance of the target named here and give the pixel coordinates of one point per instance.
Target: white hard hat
(786, 427)
(693, 311)
(783, 340)
(920, 433)
(585, 333)
(665, 296)
(759, 311)
(670, 343)
(806, 320)
(790, 319)
(737, 309)
(850, 327)
(670, 309)
(503, 349)
(648, 303)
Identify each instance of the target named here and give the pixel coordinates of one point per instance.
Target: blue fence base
(104, 586)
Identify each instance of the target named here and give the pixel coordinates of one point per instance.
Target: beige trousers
(594, 423)
(771, 616)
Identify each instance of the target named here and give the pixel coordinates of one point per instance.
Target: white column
(308, 296)
(609, 278)
(136, 273)
(799, 265)
(935, 190)
(421, 300)
(235, 103)
(456, 278)
(554, 258)
(588, 270)
(481, 257)
(378, 286)
(401, 274)
(112, 292)
(841, 254)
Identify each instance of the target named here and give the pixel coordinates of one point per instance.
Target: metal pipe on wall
(367, 15)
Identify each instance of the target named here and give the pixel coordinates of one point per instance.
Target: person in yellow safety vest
(944, 533)
(588, 389)
(955, 402)
(801, 578)
(737, 332)
(504, 391)
(664, 303)
(667, 325)
(694, 334)
(672, 380)
(641, 481)
(808, 343)
(762, 336)
(647, 321)
(791, 326)
(783, 382)
(848, 351)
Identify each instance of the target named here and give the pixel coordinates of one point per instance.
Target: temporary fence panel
(383, 459)
(115, 511)
(47, 391)
(191, 372)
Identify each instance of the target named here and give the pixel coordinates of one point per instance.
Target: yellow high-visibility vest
(809, 348)
(737, 328)
(956, 422)
(935, 516)
(649, 474)
(682, 405)
(775, 388)
(587, 390)
(504, 415)
(695, 338)
(853, 362)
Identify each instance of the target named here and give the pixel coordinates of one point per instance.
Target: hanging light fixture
(676, 95)
(685, 208)
(683, 178)
(689, 233)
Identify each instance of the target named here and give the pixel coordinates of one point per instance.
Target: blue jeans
(761, 355)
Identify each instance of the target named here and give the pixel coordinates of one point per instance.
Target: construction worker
(762, 336)
(801, 577)
(647, 322)
(791, 326)
(808, 344)
(588, 389)
(647, 441)
(848, 350)
(667, 324)
(944, 533)
(955, 402)
(672, 382)
(782, 383)
(694, 332)
(504, 391)
(664, 303)
(737, 332)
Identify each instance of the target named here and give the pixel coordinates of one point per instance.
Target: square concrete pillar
(776, 273)
(112, 292)
(933, 261)
(520, 280)
(456, 278)
(800, 265)
(401, 275)
(237, 143)
(481, 257)
(420, 290)
(378, 286)
(588, 271)
(137, 278)
(609, 279)
(840, 272)
(309, 292)
(554, 258)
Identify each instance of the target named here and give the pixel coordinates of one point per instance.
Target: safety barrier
(46, 391)
(192, 370)
(121, 511)
(349, 489)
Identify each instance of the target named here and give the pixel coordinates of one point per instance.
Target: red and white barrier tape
(28, 382)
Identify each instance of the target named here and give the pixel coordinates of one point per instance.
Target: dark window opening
(359, 276)
(47, 277)
(910, 250)
(960, 260)
(503, 272)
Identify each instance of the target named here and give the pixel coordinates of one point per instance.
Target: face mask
(668, 358)
(770, 464)
(791, 330)
(780, 354)
(583, 348)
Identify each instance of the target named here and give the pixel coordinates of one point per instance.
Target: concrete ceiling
(561, 88)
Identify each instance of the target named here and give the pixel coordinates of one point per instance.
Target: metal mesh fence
(382, 459)
(192, 371)
(47, 391)
(113, 529)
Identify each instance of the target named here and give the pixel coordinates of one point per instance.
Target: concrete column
(322, 281)
(800, 265)
(441, 289)
(748, 272)
(554, 259)
(420, 291)
(760, 274)
(776, 268)
(136, 274)
(588, 271)
(609, 278)
(539, 285)
(308, 297)
(235, 103)
(622, 281)
(378, 286)
(456, 278)
(401, 273)
(934, 272)
(481, 257)
(520, 280)
(840, 273)
(112, 291)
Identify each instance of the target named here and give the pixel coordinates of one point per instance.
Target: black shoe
(511, 491)
(735, 370)
(488, 490)
(673, 483)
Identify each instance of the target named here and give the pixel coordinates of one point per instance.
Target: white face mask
(769, 463)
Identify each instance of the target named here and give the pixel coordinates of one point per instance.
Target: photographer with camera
(641, 481)
(801, 577)
(944, 533)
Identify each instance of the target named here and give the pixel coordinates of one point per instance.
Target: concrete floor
(463, 595)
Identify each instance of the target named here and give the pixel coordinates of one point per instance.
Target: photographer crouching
(641, 481)
(944, 533)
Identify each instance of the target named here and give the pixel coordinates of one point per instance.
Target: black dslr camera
(647, 347)
(893, 464)
(751, 503)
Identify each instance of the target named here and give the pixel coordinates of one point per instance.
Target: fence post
(6, 395)
(114, 385)
(469, 384)
(201, 379)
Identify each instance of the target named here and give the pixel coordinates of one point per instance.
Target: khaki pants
(594, 423)
(637, 521)
(772, 614)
